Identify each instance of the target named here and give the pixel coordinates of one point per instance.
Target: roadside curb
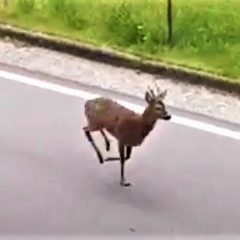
(119, 59)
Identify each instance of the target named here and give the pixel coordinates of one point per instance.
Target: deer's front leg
(123, 181)
(128, 152)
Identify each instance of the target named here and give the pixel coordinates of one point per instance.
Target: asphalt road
(184, 181)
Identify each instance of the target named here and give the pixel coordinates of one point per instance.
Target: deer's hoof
(125, 184)
(100, 158)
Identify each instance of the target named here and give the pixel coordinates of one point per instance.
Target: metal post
(169, 20)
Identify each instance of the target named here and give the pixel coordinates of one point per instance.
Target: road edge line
(211, 128)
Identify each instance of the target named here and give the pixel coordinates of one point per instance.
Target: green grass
(206, 32)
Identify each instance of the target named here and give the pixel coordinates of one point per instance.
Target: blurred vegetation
(206, 34)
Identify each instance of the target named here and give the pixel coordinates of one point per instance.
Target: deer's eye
(159, 107)
(159, 104)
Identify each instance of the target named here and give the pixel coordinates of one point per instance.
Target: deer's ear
(148, 97)
(163, 94)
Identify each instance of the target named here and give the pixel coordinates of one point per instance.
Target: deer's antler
(151, 92)
(157, 87)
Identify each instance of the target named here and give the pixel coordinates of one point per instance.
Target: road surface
(184, 180)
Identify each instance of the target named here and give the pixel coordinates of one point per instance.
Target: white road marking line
(211, 128)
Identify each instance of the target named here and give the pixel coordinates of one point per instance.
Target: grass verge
(206, 33)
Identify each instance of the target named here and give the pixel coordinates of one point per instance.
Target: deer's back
(106, 113)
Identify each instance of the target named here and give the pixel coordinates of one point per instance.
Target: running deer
(129, 128)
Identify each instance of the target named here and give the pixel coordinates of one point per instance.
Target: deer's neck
(149, 120)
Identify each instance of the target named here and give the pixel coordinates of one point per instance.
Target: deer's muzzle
(167, 117)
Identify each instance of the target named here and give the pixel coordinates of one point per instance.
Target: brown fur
(128, 127)
(125, 125)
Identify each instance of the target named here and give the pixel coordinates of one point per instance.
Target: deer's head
(156, 104)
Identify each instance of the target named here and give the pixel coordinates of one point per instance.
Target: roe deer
(129, 128)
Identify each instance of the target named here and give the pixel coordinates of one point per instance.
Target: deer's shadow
(138, 197)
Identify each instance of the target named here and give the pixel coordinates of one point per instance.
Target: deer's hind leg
(88, 131)
(107, 141)
(127, 155)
